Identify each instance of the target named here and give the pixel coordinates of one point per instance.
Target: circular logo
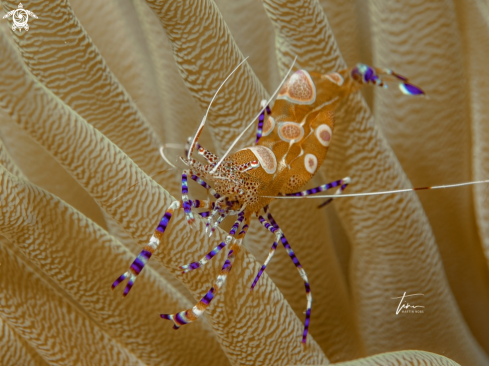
(20, 17)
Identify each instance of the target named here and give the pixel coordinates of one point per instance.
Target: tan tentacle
(445, 124)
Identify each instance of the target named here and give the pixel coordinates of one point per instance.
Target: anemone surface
(93, 89)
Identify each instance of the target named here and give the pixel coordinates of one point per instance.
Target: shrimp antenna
(201, 127)
(162, 153)
(335, 196)
(254, 119)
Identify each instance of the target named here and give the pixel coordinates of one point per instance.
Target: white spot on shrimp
(323, 134)
(266, 158)
(311, 163)
(299, 89)
(289, 131)
(335, 78)
(268, 126)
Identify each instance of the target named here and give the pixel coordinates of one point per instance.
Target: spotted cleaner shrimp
(291, 144)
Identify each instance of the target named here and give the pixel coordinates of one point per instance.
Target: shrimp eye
(201, 150)
(255, 164)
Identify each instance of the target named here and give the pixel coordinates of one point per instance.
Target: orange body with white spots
(295, 139)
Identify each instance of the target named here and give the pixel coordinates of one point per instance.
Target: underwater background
(93, 89)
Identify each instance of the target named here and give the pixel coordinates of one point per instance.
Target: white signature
(405, 306)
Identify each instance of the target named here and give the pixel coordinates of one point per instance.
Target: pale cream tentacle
(402, 358)
(41, 315)
(431, 137)
(474, 24)
(14, 350)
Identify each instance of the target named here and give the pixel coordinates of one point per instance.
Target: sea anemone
(93, 89)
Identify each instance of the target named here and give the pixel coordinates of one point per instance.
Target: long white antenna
(253, 120)
(199, 130)
(335, 196)
(164, 157)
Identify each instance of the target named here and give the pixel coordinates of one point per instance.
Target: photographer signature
(406, 305)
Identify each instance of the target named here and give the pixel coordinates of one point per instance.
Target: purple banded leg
(345, 182)
(200, 181)
(404, 86)
(342, 184)
(278, 235)
(371, 75)
(194, 265)
(190, 315)
(322, 188)
(218, 222)
(303, 274)
(261, 119)
(203, 204)
(187, 206)
(217, 209)
(272, 220)
(272, 227)
(143, 257)
(210, 217)
(236, 224)
(243, 232)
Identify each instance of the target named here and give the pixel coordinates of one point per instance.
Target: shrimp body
(291, 144)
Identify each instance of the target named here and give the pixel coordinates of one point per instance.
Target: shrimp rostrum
(291, 144)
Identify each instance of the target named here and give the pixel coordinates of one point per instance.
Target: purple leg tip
(126, 290)
(325, 203)
(129, 286)
(400, 77)
(410, 89)
(253, 285)
(367, 77)
(257, 277)
(119, 280)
